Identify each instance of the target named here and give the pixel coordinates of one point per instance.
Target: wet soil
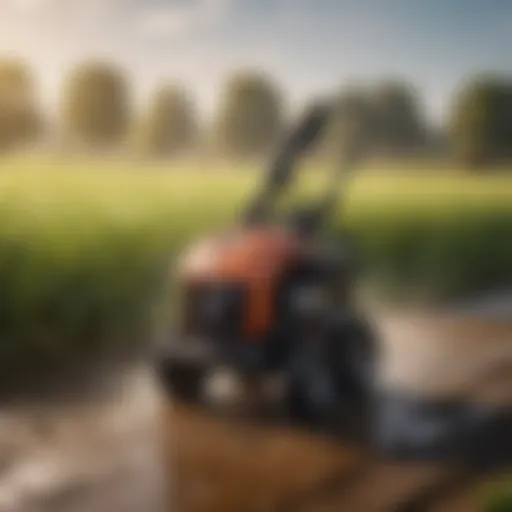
(131, 449)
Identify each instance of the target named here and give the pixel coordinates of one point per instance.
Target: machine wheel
(296, 402)
(181, 380)
(356, 352)
(332, 379)
(311, 394)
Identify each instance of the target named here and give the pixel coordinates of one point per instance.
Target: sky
(309, 47)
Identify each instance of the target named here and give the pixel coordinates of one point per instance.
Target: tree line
(96, 112)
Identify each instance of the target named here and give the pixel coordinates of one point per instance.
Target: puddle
(57, 457)
(100, 457)
(465, 433)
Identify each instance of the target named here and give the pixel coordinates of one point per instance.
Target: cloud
(80, 10)
(27, 6)
(164, 21)
(151, 18)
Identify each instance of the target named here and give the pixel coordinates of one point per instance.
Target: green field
(85, 246)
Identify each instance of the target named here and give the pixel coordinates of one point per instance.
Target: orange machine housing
(256, 258)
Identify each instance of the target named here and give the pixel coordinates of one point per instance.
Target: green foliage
(481, 121)
(95, 105)
(401, 127)
(84, 253)
(170, 125)
(19, 118)
(388, 118)
(354, 116)
(499, 497)
(250, 117)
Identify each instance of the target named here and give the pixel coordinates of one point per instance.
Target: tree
(19, 117)
(400, 125)
(353, 117)
(481, 121)
(170, 124)
(95, 105)
(250, 117)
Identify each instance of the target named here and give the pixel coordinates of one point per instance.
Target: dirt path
(107, 457)
(221, 467)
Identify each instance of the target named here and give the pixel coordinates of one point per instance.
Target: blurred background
(128, 127)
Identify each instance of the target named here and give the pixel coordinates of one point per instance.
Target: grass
(498, 495)
(85, 245)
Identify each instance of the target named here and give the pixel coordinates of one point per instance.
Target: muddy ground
(109, 453)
